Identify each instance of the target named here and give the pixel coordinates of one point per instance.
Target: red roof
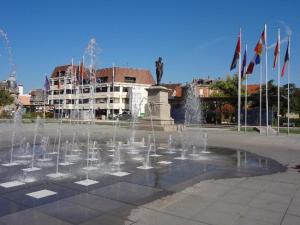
(253, 88)
(64, 68)
(142, 76)
(176, 88)
(24, 99)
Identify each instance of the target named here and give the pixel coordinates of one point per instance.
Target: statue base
(158, 109)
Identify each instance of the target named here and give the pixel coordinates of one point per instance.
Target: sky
(196, 39)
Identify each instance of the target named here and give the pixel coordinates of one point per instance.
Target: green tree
(5, 98)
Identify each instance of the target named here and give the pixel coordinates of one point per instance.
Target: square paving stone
(68, 211)
(31, 217)
(129, 193)
(21, 197)
(107, 220)
(101, 204)
(7, 207)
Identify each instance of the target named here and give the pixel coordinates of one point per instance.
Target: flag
(46, 84)
(236, 54)
(258, 50)
(276, 52)
(259, 47)
(286, 59)
(244, 64)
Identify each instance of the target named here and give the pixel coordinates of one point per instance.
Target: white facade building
(113, 91)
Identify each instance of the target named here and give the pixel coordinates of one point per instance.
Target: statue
(159, 70)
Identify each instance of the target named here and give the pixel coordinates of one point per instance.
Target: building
(38, 100)
(203, 86)
(111, 91)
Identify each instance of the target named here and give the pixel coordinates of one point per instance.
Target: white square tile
(164, 162)
(56, 175)
(11, 184)
(10, 164)
(87, 182)
(41, 194)
(31, 169)
(120, 174)
(145, 167)
(65, 164)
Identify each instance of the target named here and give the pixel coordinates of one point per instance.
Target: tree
(5, 98)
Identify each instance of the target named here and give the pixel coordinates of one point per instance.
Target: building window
(130, 80)
(86, 90)
(125, 89)
(68, 91)
(102, 80)
(101, 100)
(125, 100)
(101, 89)
(116, 89)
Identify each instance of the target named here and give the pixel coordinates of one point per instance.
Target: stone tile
(68, 211)
(208, 190)
(228, 208)
(282, 188)
(215, 218)
(143, 216)
(127, 192)
(101, 204)
(255, 184)
(107, 220)
(7, 207)
(291, 220)
(265, 216)
(31, 217)
(20, 197)
(188, 206)
(294, 208)
(229, 182)
(248, 221)
(269, 201)
(240, 195)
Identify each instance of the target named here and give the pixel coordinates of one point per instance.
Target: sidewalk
(266, 200)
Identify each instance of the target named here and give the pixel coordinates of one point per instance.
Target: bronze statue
(159, 70)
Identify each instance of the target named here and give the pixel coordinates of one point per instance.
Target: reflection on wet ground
(111, 198)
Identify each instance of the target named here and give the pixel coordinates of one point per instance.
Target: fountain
(37, 130)
(66, 150)
(16, 127)
(43, 147)
(171, 149)
(147, 162)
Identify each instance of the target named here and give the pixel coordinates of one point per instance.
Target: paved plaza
(187, 194)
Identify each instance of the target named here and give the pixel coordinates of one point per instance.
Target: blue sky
(195, 38)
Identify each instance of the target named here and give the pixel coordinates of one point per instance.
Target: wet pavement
(112, 199)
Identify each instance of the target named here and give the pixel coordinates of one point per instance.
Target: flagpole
(246, 96)
(82, 96)
(266, 71)
(59, 105)
(44, 103)
(260, 97)
(239, 86)
(289, 52)
(72, 91)
(278, 85)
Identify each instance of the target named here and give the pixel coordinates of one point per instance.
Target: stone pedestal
(158, 108)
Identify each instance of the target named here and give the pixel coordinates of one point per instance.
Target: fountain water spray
(37, 130)
(16, 126)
